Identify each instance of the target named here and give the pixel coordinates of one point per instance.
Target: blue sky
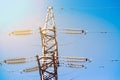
(90, 15)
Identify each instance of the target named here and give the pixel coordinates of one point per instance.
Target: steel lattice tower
(49, 62)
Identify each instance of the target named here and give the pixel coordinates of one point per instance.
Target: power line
(86, 8)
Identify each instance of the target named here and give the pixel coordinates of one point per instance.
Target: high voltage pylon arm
(17, 60)
(76, 58)
(30, 32)
(64, 31)
(21, 32)
(31, 59)
(73, 31)
(71, 65)
(65, 61)
(35, 68)
(69, 60)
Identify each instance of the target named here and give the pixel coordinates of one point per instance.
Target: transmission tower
(50, 61)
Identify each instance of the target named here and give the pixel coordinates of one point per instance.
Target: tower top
(50, 8)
